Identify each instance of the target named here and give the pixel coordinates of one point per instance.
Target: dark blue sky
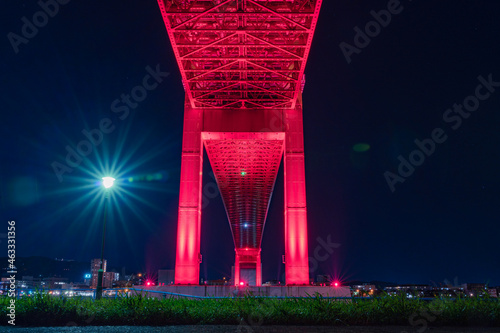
(441, 224)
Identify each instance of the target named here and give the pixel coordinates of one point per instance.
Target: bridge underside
(245, 166)
(242, 64)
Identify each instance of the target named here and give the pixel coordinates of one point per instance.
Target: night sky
(360, 120)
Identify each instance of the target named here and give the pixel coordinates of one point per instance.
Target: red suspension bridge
(242, 64)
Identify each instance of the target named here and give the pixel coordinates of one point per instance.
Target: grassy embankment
(46, 310)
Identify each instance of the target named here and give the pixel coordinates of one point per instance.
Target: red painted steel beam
(206, 34)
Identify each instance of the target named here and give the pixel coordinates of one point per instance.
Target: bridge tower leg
(188, 257)
(296, 253)
(248, 267)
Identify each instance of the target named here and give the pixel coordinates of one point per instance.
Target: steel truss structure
(242, 64)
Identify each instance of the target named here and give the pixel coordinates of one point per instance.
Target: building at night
(109, 278)
(364, 289)
(30, 282)
(54, 282)
(409, 289)
(493, 292)
(475, 289)
(95, 265)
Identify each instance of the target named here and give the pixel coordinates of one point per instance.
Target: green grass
(45, 310)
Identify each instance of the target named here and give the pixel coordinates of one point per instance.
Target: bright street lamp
(107, 182)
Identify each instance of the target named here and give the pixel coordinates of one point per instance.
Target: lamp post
(107, 182)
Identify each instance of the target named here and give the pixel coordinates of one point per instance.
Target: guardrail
(126, 292)
(24, 292)
(122, 292)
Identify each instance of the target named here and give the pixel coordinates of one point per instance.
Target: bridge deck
(241, 53)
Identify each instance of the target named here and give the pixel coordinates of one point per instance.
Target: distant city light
(158, 176)
(108, 181)
(336, 284)
(88, 276)
(246, 225)
(361, 147)
(243, 173)
(242, 283)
